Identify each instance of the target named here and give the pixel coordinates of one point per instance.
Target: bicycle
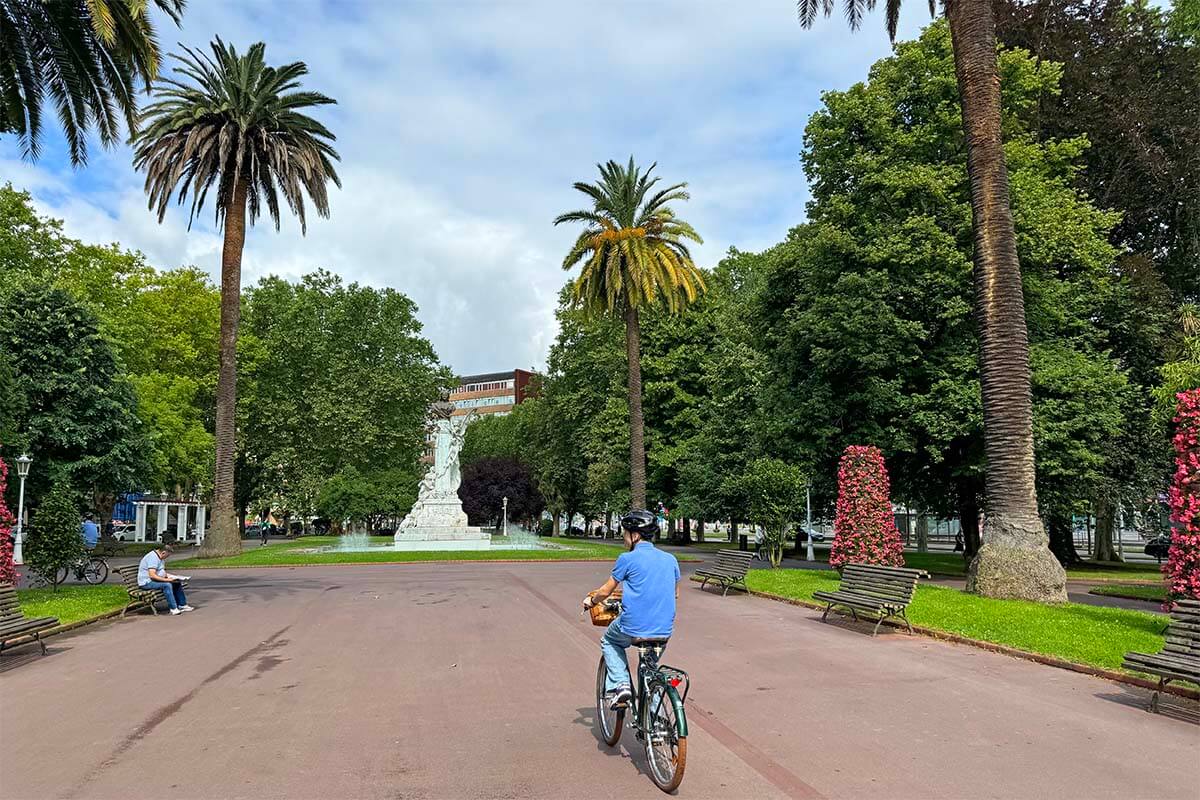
(659, 721)
(91, 568)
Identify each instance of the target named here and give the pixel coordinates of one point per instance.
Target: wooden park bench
(1179, 659)
(14, 625)
(138, 595)
(885, 591)
(728, 570)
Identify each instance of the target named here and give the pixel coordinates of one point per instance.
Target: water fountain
(354, 542)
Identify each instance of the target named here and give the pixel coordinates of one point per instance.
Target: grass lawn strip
(1132, 591)
(72, 603)
(286, 554)
(1090, 635)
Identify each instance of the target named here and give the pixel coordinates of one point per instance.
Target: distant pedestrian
(265, 529)
(90, 532)
(958, 542)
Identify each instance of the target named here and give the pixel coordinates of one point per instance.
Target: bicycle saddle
(638, 642)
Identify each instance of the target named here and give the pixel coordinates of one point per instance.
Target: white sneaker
(186, 608)
(175, 612)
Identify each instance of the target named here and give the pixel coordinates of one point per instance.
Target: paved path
(476, 680)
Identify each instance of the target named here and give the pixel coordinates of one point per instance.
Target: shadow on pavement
(27, 654)
(587, 716)
(1170, 706)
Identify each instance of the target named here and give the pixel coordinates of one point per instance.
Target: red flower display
(8, 572)
(864, 528)
(1182, 570)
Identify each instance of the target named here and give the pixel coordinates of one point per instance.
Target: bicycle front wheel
(96, 571)
(60, 577)
(666, 738)
(610, 721)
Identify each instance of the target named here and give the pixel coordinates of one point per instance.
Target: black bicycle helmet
(641, 522)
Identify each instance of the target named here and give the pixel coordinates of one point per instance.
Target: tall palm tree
(85, 56)
(1016, 560)
(236, 127)
(634, 254)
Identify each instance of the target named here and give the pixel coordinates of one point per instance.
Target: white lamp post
(504, 506)
(23, 462)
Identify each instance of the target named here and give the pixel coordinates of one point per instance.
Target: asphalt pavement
(476, 680)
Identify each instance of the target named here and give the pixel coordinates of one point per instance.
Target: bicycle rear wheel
(666, 749)
(96, 571)
(60, 577)
(610, 721)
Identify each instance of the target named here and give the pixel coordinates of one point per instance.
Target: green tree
(238, 126)
(1016, 562)
(161, 325)
(80, 416)
(335, 376)
(1130, 84)
(86, 56)
(635, 255)
(774, 495)
(55, 539)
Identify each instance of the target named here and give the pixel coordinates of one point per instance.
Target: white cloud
(462, 125)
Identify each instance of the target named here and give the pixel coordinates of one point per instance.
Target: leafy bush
(54, 537)
(864, 528)
(774, 496)
(1182, 569)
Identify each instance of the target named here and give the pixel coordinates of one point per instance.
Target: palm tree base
(222, 541)
(1016, 564)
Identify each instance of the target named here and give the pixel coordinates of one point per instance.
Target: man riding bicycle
(650, 580)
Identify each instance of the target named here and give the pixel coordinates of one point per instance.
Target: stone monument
(437, 520)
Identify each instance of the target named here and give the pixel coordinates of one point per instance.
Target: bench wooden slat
(728, 570)
(14, 625)
(886, 591)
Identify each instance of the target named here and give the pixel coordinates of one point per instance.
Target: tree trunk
(557, 529)
(637, 447)
(700, 531)
(1106, 522)
(968, 520)
(607, 523)
(922, 533)
(733, 533)
(1016, 561)
(687, 530)
(1062, 539)
(224, 538)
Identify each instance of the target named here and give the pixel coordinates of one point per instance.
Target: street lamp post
(808, 515)
(23, 462)
(504, 506)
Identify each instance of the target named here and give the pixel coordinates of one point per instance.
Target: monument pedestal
(442, 538)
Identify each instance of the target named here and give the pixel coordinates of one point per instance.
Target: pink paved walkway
(475, 680)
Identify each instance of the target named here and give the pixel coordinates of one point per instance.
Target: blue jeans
(612, 646)
(172, 590)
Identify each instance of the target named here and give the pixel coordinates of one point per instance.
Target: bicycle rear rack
(676, 677)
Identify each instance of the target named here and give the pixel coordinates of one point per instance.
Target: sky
(462, 126)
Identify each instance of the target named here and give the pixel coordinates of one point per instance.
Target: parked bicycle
(92, 568)
(658, 721)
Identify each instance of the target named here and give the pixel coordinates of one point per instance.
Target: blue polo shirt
(648, 577)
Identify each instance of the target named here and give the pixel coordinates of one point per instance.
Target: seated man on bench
(152, 574)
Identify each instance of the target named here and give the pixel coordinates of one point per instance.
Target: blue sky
(462, 126)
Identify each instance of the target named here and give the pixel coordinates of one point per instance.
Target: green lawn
(1139, 591)
(1083, 634)
(73, 602)
(286, 553)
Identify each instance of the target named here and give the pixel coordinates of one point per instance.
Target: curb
(1157, 603)
(1050, 661)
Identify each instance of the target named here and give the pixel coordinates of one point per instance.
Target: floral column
(1182, 570)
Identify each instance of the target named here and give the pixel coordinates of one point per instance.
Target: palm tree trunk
(224, 539)
(1015, 560)
(637, 446)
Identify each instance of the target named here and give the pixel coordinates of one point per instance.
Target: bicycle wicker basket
(604, 613)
